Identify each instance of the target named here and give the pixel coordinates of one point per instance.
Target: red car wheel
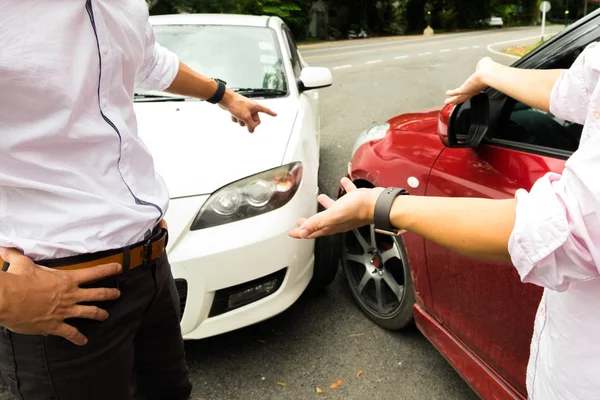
(378, 276)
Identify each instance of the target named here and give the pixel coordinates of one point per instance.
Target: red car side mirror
(443, 121)
(465, 125)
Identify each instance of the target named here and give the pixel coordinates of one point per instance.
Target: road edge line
(489, 47)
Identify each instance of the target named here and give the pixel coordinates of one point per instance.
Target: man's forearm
(473, 227)
(187, 82)
(243, 111)
(530, 86)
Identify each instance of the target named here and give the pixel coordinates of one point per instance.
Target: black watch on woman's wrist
(218, 96)
(383, 208)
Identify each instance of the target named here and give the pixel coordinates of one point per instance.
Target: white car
(495, 22)
(236, 195)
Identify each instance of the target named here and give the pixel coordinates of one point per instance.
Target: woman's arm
(473, 227)
(530, 86)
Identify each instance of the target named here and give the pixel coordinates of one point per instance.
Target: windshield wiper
(157, 97)
(260, 92)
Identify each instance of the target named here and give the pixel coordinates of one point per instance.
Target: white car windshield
(247, 58)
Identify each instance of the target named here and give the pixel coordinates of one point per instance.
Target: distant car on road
(235, 195)
(478, 314)
(494, 22)
(357, 33)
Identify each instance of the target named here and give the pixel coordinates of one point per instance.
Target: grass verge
(520, 51)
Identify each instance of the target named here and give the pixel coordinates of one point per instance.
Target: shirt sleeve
(570, 96)
(556, 237)
(159, 67)
(557, 228)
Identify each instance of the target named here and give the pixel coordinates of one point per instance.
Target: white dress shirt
(74, 175)
(556, 245)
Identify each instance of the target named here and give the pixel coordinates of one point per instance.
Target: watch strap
(383, 207)
(218, 96)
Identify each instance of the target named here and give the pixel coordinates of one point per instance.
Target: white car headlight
(251, 196)
(375, 132)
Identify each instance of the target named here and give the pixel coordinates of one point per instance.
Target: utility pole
(428, 31)
(585, 4)
(544, 8)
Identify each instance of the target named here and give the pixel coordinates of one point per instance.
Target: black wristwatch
(218, 96)
(383, 207)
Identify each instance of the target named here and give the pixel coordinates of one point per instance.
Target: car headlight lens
(259, 193)
(249, 197)
(227, 202)
(375, 132)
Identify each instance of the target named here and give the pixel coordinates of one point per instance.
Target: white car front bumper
(208, 263)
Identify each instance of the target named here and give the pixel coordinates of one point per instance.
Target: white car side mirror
(315, 78)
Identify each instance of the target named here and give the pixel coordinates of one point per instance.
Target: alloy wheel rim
(375, 266)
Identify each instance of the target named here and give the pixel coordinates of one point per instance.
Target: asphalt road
(323, 339)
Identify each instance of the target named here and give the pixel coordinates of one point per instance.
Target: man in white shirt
(80, 197)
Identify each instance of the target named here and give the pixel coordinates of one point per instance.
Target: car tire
(398, 317)
(327, 259)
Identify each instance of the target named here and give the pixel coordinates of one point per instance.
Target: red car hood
(410, 148)
(420, 121)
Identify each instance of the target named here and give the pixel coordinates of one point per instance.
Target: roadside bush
(448, 20)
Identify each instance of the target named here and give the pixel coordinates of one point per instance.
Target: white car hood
(197, 148)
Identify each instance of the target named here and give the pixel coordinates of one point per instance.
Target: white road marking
(343, 67)
(445, 50)
(476, 47)
(424, 54)
(373, 62)
(400, 57)
(384, 43)
(463, 48)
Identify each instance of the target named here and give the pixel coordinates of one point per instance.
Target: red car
(478, 314)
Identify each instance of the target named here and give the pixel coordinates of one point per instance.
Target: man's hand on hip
(37, 300)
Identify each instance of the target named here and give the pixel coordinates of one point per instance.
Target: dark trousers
(137, 353)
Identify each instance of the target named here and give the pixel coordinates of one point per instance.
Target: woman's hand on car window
(472, 86)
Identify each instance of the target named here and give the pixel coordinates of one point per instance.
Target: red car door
(484, 304)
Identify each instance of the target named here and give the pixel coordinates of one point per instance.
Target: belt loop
(166, 232)
(147, 252)
(126, 259)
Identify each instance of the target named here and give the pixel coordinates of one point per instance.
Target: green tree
(293, 12)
